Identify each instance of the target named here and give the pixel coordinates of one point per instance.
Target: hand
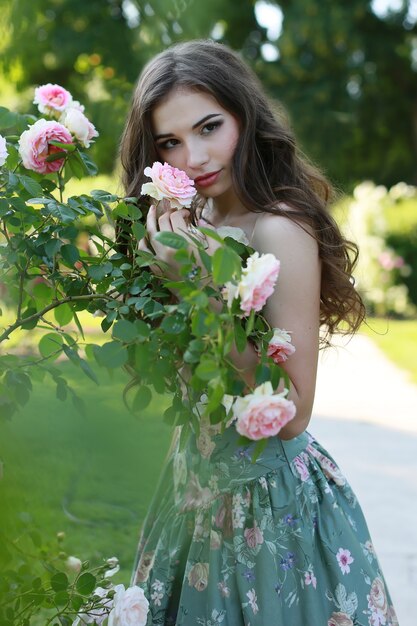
(171, 220)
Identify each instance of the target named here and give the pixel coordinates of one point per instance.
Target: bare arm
(294, 306)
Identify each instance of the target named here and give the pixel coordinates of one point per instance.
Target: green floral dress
(279, 541)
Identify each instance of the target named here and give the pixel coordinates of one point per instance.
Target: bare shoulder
(284, 233)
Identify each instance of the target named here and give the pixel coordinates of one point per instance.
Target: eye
(210, 127)
(166, 144)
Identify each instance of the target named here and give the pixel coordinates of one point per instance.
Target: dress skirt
(281, 541)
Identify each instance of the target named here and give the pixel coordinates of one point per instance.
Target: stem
(21, 284)
(39, 314)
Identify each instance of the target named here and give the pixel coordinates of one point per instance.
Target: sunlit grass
(90, 475)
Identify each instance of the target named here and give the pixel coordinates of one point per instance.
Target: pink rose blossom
(3, 151)
(34, 145)
(344, 558)
(52, 98)
(262, 413)
(171, 183)
(253, 536)
(79, 125)
(130, 607)
(256, 283)
(280, 346)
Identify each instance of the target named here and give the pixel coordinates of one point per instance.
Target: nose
(196, 155)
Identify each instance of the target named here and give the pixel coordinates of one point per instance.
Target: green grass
(104, 466)
(397, 339)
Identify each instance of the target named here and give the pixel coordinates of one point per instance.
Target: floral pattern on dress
(234, 542)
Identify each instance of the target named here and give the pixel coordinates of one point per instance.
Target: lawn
(91, 476)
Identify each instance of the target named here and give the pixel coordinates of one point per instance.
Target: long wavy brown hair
(270, 173)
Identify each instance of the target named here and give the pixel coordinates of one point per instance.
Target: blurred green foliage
(402, 237)
(346, 76)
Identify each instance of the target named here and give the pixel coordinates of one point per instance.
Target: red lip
(205, 176)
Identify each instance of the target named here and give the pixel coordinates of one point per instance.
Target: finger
(151, 225)
(165, 220)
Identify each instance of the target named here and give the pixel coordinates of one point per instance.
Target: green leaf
(209, 232)
(259, 447)
(173, 324)
(8, 119)
(49, 344)
(61, 211)
(103, 196)
(76, 166)
(98, 272)
(52, 247)
(142, 329)
(226, 263)
(69, 147)
(70, 253)
(112, 354)
(61, 389)
(262, 374)
(251, 321)
(172, 240)
(207, 369)
(121, 210)
(124, 330)
(55, 156)
(89, 165)
(142, 399)
(86, 584)
(63, 314)
(59, 581)
(138, 230)
(28, 313)
(240, 336)
(31, 186)
(61, 598)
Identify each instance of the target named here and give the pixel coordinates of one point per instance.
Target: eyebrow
(204, 119)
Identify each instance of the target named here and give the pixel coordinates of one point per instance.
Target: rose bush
(58, 259)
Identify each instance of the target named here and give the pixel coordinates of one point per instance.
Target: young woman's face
(194, 133)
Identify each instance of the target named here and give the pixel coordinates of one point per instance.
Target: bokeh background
(345, 74)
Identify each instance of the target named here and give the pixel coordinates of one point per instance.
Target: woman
(283, 540)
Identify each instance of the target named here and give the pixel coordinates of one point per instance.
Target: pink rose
(34, 145)
(256, 283)
(280, 346)
(79, 125)
(130, 607)
(3, 151)
(262, 413)
(52, 98)
(171, 183)
(253, 536)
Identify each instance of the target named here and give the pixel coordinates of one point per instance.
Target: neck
(226, 207)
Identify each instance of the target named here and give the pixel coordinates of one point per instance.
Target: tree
(347, 78)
